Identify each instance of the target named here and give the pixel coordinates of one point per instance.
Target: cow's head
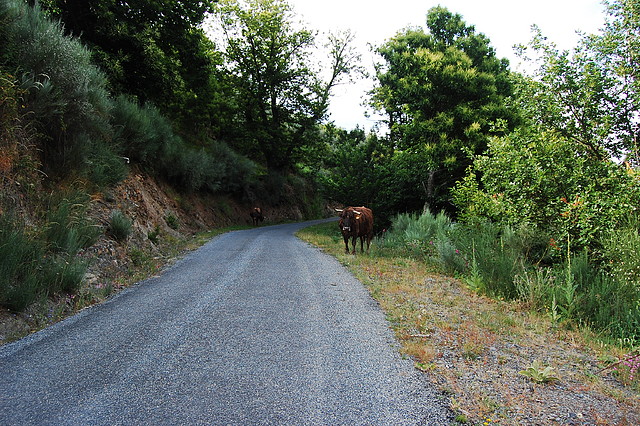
(348, 218)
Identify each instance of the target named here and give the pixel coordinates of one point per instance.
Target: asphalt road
(255, 327)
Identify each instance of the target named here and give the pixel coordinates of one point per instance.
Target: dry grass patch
(474, 348)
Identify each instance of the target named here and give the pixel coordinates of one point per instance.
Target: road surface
(255, 327)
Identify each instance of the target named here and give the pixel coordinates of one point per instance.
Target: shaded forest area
(539, 170)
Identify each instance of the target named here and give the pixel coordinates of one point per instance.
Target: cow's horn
(339, 210)
(357, 212)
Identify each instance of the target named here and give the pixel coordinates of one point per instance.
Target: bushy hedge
(504, 261)
(148, 138)
(66, 92)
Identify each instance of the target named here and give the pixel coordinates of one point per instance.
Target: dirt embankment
(164, 223)
(160, 215)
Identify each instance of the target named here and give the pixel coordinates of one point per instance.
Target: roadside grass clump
(20, 260)
(425, 236)
(494, 254)
(42, 263)
(120, 226)
(68, 229)
(63, 274)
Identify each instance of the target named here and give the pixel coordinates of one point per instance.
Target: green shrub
(153, 235)
(496, 253)
(238, 171)
(148, 137)
(119, 226)
(19, 265)
(608, 302)
(104, 165)
(144, 133)
(533, 286)
(66, 92)
(172, 221)
(68, 230)
(621, 253)
(31, 267)
(63, 274)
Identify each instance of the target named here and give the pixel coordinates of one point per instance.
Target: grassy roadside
(138, 263)
(490, 356)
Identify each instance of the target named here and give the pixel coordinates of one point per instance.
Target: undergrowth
(38, 262)
(504, 262)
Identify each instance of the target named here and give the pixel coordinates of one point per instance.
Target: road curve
(255, 327)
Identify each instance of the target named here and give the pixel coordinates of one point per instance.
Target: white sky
(504, 22)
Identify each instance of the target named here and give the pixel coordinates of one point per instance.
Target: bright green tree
(590, 94)
(556, 173)
(443, 92)
(280, 97)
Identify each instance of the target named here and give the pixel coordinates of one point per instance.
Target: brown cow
(256, 215)
(356, 222)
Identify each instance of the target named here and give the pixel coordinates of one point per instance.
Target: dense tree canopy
(154, 50)
(443, 92)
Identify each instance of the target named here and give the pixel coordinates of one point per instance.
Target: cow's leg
(346, 243)
(353, 244)
(362, 244)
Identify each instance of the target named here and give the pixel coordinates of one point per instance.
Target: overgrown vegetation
(503, 262)
(39, 263)
(541, 177)
(492, 357)
(538, 173)
(159, 102)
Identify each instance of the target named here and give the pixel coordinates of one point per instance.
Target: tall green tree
(280, 97)
(443, 92)
(590, 94)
